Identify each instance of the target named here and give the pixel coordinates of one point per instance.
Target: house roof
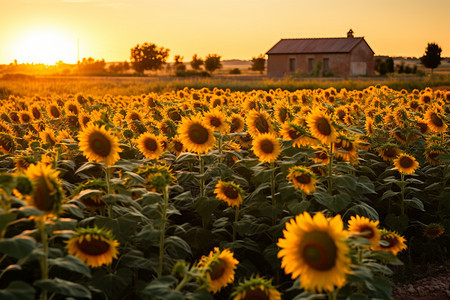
(316, 45)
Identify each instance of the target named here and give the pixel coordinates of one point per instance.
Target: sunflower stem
(182, 282)
(236, 218)
(332, 295)
(163, 229)
(44, 260)
(220, 148)
(108, 190)
(330, 171)
(403, 194)
(202, 180)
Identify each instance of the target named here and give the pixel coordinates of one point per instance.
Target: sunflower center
(178, 146)
(256, 295)
(390, 152)
(294, 134)
(198, 134)
(406, 162)
(423, 127)
(282, 114)
(321, 155)
(217, 269)
(135, 117)
(391, 241)
(36, 113)
(231, 193)
(323, 126)
(433, 155)
(426, 99)
(252, 105)
(261, 124)
(43, 192)
(303, 179)
(99, 144)
(215, 122)
(175, 116)
(367, 231)
(349, 147)
(436, 120)
(235, 124)
(54, 111)
(318, 250)
(414, 104)
(266, 146)
(73, 109)
(93, 247)
(151, 145)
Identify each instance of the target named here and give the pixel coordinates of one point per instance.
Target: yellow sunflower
(432, 153)
(47, 194)
(237, 123)
(321, 155)
(149, 145)
(389, 152)
(391, 241)
(25, 117)
(406, 164)
(95, 247)
(321, 127)
(422, 125)
(298, 134)
(176, 146)
(365, 228)
(348, 150)
(35, 110)
(302, 178)
(195, 135)
(315, 250)
(435, 121)
(98, 144)
(256, 288)
(215, 119)
(53, 110)
(219, 268)
(7, 144)
(229, 192)
(267, 147)
(258, 122)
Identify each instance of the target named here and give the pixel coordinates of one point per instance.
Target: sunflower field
(213, 194)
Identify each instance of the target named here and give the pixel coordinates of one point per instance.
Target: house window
(310, 64)
(326, 64)
(291, 64)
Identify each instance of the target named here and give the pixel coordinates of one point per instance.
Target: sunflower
(406, 164)
(266, 147)
(422, 125)
(7, 144)
(365, 228)
(315, 250)
(347, 150)
(219, 268)
(53, 110)
(302, 178)
(176, 146)
(25, 117)
(281, 112)
(340, 113)
(258, 123)
(72, 107)
(298, 134)
(433, 231)
(435, 121)
(195, 135)
(257, 288)
(149, 145)
(321, 155)
(215, 119)
(95, 247)
(35, 110)
(98, 144)
(389, 152)
(84, 119)
(48, 137)
(237, 123)
(245, 141)
(321, 127)
(47, 193)
(432, 153)
(229, 192)
(391, 241)
(426, 98)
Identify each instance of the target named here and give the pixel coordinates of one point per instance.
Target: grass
(127, 86)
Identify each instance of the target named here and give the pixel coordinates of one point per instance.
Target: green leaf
(163, 288)
(117, 198)
(136, 177)
(177, 247)
(70, 263)
(200, 295)
(74, 210)
(63, 287)
(397, 223)
(296, 207)
(340, 202)
(114, 285)
(86, 166)
(5, 219)
(365, 210)
(323, 198)
(389, 194)
(18, 246)
(205, 206)
(18, 290)
(416, 203)
(346, 181)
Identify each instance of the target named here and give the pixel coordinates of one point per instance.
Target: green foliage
(148, 56)
(432, 57)
(235, 71)
(259, 63)
(196, 62)
(212, 62)
(91, 66)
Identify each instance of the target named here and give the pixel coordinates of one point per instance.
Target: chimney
(350, 33)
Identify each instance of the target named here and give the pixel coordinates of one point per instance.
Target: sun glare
(47, 47)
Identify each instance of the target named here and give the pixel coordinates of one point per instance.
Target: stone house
(346, 56)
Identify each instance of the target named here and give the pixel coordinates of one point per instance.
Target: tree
(90, 66)
(432, 57)
(148, 57)
(259, 63)
(212, 62)
(179, 65)
(196, 62)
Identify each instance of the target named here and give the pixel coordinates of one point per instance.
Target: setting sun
(46, 46)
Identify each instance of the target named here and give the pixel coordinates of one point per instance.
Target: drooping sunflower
(348, 150)
(229, 192)
(95, 247)
(435, 121)
(267, 147)
(72, 107)
(256, 288)
(314, 249)
(7, 143)
(47, 194)
(433, 231)
(389, 152)
(302, 178)
(176, 146)
(406, 164)
(321, 155)
(391, 241)
(149, 145)
(53, 110)
(48, 137)
(321, 127)
(422, 125)
(281, 112)
(216, 120)
(195, 135)
(219, 268)
(98, 144)
(258, 122)
(365, 228)
(432, 153)
(237, 123)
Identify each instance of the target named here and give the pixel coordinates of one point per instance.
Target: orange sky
(47, 30)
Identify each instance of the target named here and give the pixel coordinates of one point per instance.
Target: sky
(47, 31)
